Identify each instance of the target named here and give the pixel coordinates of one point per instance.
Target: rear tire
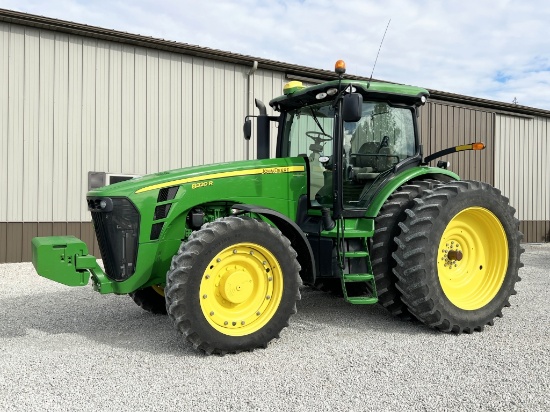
(458, 256)
(383, 244)
(150, 299)
(233, 285)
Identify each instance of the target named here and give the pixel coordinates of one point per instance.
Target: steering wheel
(318, 136)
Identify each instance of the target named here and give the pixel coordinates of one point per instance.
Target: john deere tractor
(349, 204)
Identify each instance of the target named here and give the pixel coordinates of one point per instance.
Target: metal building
(76, 98)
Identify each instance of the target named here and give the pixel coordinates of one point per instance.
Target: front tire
(458, 256)
(150, 299)
(233, 285)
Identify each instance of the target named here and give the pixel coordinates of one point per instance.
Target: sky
(497, 50)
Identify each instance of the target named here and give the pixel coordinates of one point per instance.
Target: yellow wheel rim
(159, 289)
(472, 258)
(241, 289)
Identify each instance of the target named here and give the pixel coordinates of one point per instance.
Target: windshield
(384, 133)
(383, 137)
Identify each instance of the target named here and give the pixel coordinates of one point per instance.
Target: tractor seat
(363, 167)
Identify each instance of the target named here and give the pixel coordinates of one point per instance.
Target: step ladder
(350, 278)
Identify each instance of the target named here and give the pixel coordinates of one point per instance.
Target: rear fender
(416, 173)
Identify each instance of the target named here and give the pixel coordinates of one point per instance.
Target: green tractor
(349, 205)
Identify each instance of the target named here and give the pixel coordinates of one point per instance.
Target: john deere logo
(276, 170)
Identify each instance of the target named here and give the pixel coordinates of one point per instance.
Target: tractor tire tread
(178, 303)
(388, 227)
(419, 286)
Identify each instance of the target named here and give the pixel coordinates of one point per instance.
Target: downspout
(248, 97)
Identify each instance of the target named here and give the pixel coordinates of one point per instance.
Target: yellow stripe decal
(262, 171)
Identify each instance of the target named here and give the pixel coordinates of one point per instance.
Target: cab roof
(397, 93)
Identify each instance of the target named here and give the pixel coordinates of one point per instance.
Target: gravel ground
(67, 348)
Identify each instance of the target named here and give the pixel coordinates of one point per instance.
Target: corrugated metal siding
(71, 105)
(443, 125)
(522, 171)
(4, 126)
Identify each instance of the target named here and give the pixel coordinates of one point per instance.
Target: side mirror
(352, 107)
(247, 129)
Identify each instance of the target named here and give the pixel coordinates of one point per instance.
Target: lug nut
(204, 296)
(218, 260)
(268, 297)
(258, 313)
(225, 323)
(242, 322)
(212, 313)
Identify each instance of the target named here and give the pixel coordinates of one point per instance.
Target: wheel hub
(454, 255)
(236, 286)
(451, 254)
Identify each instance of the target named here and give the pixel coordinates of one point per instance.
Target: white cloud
(489, 49)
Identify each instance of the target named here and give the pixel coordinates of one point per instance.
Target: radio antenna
(377, 54)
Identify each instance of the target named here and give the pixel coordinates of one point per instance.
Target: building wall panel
(443, 125)
(16, 121)
(174, 112)
(127, 111)
(187, 116)
(218, 113)
(197, 100)
(114, 119)
(152, 110)
(164, 133)
(88, 133)
(28, 232)
(3, 241)
(60, 133)
(207, 120)
(4, 125)
(31, 112)
(522, 172)
(74, 128)
(101, 98)
(14, 244)
(140, 112)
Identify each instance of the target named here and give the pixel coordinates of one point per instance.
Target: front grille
(117, 234)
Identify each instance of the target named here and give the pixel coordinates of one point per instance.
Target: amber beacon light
(340, 67)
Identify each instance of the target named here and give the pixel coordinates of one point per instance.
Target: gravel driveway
(67, 348)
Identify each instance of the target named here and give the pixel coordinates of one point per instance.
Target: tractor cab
(372, 146)
(353, 135)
